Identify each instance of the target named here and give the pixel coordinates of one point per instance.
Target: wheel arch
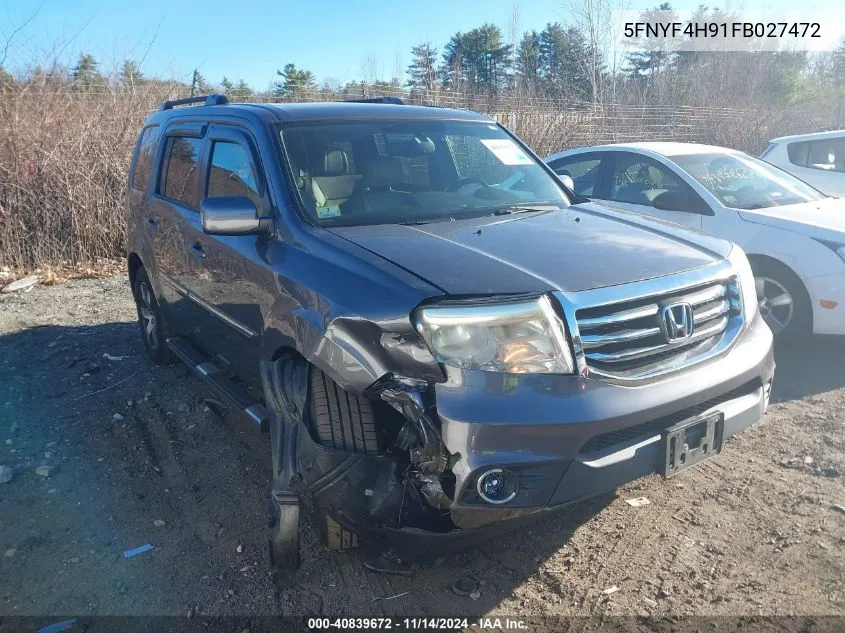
(768, 260)
(134, 264)
(788, 270)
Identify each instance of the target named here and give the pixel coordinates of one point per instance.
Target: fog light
(497, 486)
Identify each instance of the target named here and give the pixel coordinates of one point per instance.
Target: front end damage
(399, 502)
(564, 438)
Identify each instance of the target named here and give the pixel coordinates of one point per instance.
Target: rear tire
(344, 421)
(783, 300)
(155, 329)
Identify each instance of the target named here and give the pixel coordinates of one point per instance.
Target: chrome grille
(626, 340)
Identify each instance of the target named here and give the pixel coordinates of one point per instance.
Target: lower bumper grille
(653, 427)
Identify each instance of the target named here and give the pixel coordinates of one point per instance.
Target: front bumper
(828, 288)
(568, 438)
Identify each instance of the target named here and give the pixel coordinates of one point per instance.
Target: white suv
(818, 159)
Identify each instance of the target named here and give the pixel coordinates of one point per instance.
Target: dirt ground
(138, 457)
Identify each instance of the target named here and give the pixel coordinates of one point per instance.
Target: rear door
(227, 274)
(174, 203)
(820, 163)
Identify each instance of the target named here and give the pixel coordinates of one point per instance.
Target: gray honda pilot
(440, 337)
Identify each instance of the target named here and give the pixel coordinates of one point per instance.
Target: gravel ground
(138, 456)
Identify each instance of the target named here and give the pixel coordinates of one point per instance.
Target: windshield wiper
(436, 218)
(522, 208)
(759, 205)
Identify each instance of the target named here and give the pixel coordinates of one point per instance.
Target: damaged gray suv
(441, 338)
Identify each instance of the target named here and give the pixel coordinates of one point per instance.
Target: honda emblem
(677, 322)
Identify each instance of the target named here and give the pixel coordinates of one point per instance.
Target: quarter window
(144, 158)
(180, 176)
(824, 154)
(232, 173)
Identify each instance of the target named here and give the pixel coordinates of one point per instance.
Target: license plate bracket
(692, 441)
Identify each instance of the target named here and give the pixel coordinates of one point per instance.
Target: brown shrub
(65, 153)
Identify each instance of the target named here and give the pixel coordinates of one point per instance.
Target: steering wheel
(743, 192)
(462, 182)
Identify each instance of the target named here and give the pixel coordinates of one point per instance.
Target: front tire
(344, 421)
(783, 301)
(155, 329)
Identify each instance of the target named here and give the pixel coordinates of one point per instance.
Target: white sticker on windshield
(506, 151)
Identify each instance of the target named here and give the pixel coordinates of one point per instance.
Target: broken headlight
(521, 337)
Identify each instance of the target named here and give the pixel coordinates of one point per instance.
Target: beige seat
(334, 185)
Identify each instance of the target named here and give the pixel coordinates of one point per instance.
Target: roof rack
(391, 100)
(209, 100)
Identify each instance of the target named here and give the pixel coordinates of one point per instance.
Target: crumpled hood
(579, 248)
(823, 219)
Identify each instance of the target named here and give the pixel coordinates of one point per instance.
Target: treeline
(561, 62)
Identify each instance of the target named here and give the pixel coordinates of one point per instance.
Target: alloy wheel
(148, 315)
(777, 306)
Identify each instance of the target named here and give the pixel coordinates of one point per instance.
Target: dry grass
(65, 153)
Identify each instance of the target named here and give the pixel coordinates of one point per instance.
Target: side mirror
(230, 215)
(567, 181)
(673, 201)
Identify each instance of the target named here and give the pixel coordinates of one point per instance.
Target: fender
(355, 352)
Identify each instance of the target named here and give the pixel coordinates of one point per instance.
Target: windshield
(397, 171)
(743, 182)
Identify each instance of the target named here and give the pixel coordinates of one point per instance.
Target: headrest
(335, 163)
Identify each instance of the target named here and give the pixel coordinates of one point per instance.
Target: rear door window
(181, 169)
(147, 145)
(827, 154)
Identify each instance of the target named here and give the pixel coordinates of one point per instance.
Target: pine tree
(552, 45)
(528, 59)
(452, 64)
(227, 86)
(651, 62)
(86, 73)
(478, 59)
(130, 74)
(295, 83)
(242, 91)
(422, 71)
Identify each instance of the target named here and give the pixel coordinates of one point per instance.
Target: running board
(225, 386)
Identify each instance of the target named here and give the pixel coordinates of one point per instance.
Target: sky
(341, 40)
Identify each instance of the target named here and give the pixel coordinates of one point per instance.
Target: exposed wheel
(154, 327)
(783, 301)
(344, 421)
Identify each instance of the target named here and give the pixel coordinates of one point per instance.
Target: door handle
(197, 250)
(152, 223)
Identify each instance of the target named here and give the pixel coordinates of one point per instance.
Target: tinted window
(827, 154)
(232, 173)
(179, 181)
(145, 156)
(583, 169)
(638, 180)
(798, 153)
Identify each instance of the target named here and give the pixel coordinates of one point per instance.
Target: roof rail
(208, 100)
(392, 100)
